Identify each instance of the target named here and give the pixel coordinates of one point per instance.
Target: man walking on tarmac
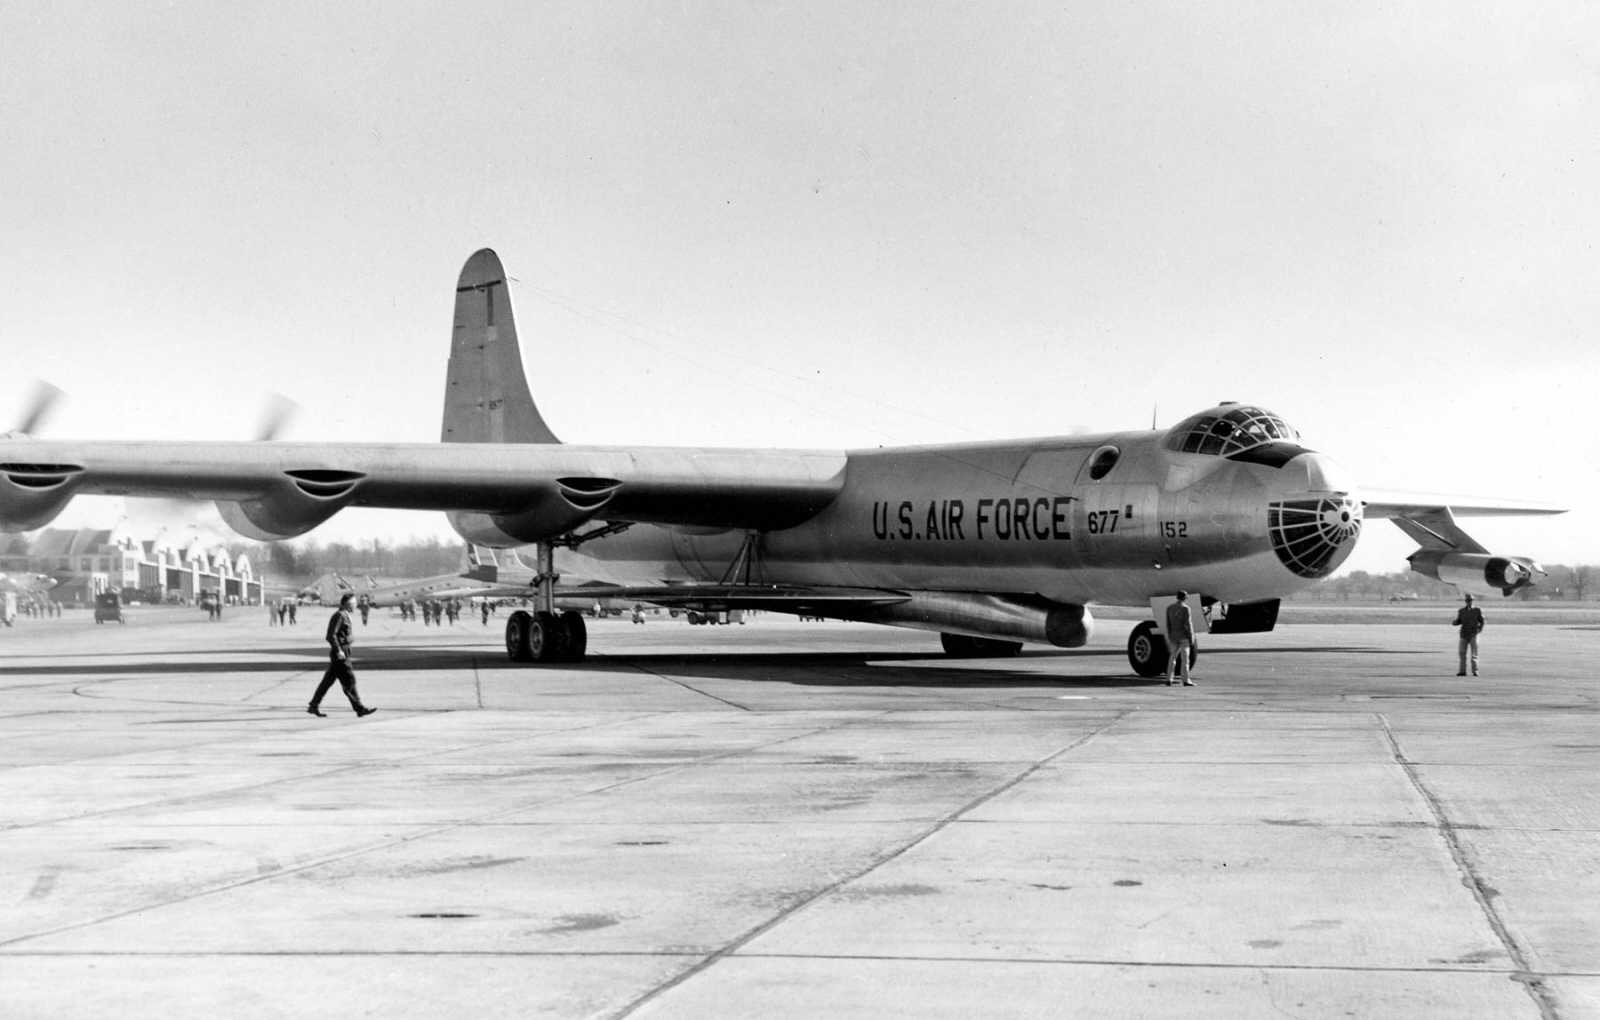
(339, 629)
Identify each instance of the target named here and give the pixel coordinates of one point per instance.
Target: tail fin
(486, 397)
(481, 564)
(328, 588)
(515, 570)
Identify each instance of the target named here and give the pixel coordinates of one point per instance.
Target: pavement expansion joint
(1481, 893)
(733, 947)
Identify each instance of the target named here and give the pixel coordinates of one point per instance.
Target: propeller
(199, 517)
(39, 408)
(278, 411)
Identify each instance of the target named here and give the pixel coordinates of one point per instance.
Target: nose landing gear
(1148, 651)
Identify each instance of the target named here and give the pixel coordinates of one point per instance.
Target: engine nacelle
(31, 495)
(567, 504)
(1477, 572)
(989, 616)
(300, 502)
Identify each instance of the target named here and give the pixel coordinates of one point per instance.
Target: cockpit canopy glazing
(1229, 429)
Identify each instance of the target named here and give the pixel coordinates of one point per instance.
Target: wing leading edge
(530, 492)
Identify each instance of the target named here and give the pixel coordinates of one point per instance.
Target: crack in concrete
(688, 687)
(739, 942)
(1531, 980)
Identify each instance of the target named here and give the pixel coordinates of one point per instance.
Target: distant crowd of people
(434, 611)
(282, 613)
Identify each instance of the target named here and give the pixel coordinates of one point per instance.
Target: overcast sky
(826, 225)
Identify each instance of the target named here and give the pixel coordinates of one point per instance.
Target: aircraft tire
(546, 637)
(577, 634)
(960, 646)
(517, 636)
(1147, 650)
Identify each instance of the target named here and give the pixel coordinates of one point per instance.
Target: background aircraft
(989, 544)
(480, 575)
(484, 575)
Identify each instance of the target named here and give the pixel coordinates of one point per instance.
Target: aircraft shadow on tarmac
(803, 668)
(911, 669)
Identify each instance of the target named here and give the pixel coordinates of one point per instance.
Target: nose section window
(1103, 460)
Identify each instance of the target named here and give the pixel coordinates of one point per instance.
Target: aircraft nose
(1314, 528)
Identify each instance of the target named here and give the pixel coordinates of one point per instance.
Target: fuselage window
(1103, 461)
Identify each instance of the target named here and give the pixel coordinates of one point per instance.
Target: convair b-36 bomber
(989, 544)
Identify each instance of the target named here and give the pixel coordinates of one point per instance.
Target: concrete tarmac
(792, 819)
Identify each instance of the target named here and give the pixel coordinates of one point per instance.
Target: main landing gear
(546, 636)
(1148, 652)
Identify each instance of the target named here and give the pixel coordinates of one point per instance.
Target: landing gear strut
(545, 635)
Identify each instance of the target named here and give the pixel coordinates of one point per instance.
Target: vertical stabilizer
(486, 397)
(481, 563)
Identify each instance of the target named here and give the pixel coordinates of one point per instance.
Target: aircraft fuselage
(1030, 517)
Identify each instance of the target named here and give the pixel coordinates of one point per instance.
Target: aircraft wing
(271, 490)
(1429, 519)
(1447, 552)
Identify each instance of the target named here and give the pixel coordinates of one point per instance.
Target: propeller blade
(40, 406)
(277, 413)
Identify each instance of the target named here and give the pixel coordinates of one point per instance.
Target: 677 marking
(1103, 522)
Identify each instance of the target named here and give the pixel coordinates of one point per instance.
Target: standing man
(1180, 637)
(1470, 619)
(339, 629)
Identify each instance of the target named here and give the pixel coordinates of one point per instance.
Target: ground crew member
(339, 630)
(1470, 619)
(1180, 637)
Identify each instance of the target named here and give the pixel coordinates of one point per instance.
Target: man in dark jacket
(1470, 619)
(339, 630)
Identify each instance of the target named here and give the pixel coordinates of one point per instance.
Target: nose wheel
(1148, 651)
